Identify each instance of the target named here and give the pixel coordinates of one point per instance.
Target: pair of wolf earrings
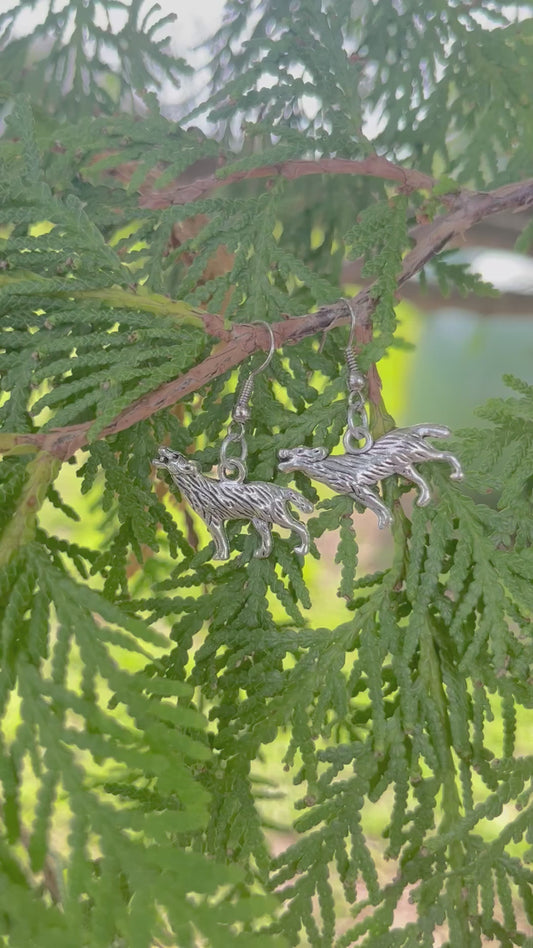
(365, 463)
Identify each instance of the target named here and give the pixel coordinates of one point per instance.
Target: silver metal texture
(217, 501)
(355, 473)
(229, 497)
(355, 432)
(228, 466)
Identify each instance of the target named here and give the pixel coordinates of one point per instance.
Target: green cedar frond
(79, 68)
(140, 745)
(380, 237)
(145, 690)
(457, 276)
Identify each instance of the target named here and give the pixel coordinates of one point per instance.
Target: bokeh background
(457, 350)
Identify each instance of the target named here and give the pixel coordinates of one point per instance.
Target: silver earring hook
(338, 316)
(356, 380)
(355, 433)
(352, 318)
(239, 417)
(241, 410)
(254, 372)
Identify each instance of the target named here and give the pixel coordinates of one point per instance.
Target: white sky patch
(195, 23)
(508, 272)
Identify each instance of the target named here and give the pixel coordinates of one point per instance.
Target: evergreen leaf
(150, 696)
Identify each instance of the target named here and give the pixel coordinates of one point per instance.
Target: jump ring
(233, 437)
(358, 434)
(235, 431)
(353, 427)
(356, 400)
(226, 468)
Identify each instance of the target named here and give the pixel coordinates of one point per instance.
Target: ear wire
(356, 402)
(239, 416)
(241, 409)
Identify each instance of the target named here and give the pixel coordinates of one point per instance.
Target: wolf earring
(363, 466)
(230, 497)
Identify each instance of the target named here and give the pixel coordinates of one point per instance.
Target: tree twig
(374, 166)
(467, 208)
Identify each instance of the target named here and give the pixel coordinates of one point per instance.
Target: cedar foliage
(139, 680)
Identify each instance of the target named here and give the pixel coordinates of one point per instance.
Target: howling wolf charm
(216, 501)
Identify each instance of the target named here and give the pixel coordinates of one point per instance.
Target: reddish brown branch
(244, 340)
(466, 209)
(374, 166)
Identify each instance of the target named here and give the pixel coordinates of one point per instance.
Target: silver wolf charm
(216, 501)
(355, 474)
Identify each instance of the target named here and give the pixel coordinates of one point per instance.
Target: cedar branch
(466, 209)
(183, 192)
